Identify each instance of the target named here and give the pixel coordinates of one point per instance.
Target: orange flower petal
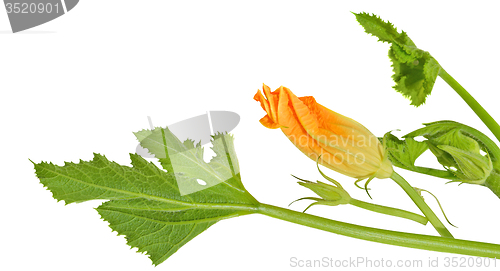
(273, 103)
(269, 123)
(302, 113)
(342, 144)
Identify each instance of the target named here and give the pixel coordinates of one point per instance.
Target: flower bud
(333, 194)
(330, 195)
(457, 148)
(471, 167)
(340, 143)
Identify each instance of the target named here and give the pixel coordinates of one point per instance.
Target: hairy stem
(430, 171)
(473, 104)
(389, 211)
(419, 201)
(433, 243)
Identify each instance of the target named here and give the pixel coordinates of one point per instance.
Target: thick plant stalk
(389, 211)
(473, 104)
(419, 201)
(493, 183)
(411, 240)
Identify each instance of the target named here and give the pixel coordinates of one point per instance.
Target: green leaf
(403, 153)
(385, 31)
(415, 70)
(187, 158)
(145, 203)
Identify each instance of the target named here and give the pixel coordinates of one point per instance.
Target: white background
(85, 81)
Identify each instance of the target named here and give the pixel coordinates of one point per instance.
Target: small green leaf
(385, 31)
(145, 202)
(415, 70)
(404, 153)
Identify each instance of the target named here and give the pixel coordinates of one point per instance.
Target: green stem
(389, 211)
(419, 201)
(429, 171)
(434, 243)
(493, 183)
(434, 172)
(473, 104)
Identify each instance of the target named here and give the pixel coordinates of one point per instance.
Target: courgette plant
(159, 209)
